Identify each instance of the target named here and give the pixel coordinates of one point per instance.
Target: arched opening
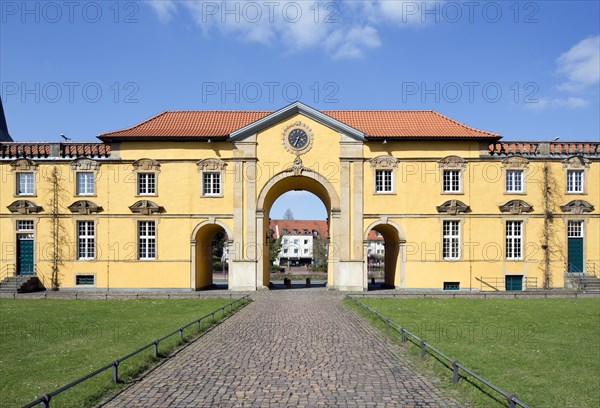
(299, 241)
(383, 252)
(285, 182)
(210, 263)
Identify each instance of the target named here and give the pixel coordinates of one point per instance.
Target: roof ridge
(134, 126)
(465, 126)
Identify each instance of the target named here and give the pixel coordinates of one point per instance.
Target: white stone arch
(315, 183)
(193, 245)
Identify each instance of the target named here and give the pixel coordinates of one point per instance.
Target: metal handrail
(530, 282)
(45, 399)
(511, 399)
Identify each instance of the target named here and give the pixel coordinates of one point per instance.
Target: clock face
(298, 139)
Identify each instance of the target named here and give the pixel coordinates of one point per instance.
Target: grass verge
(546, 351)
(45, 344)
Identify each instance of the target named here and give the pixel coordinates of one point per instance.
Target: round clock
(297, 138)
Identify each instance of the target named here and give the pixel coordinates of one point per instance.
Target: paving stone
(295, 347)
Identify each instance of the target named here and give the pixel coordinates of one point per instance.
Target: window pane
(25, 184)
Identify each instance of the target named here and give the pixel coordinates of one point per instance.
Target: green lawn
(45, 344)
(546, 351)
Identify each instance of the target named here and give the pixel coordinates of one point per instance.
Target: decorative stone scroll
(146, 165)
(453, 207)
(85, 165)
(515, 162)
(146, 207)
(84, 207)
(24, 207)
(577, 207)
(452, 162)
(576, 162)
(211, 165)
(384, 162)
(516, 207)
(23, 165)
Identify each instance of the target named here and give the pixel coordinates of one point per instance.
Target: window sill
(384, 193)
(521, 193)
(146, 195)
(84, 195)
(453, 193)
(211, 196)
(25, 195)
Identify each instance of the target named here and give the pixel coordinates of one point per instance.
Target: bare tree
(288, 215)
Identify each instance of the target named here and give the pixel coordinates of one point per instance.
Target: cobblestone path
(288, 348)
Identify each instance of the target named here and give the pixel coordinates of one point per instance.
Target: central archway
(314, 183)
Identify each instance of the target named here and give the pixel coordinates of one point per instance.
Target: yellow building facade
(458, 208)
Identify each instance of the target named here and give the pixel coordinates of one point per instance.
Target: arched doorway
(309, 181)
(208, 239)
(389, 237)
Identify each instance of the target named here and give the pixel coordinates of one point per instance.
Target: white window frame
(89, 176)
(209, 187)
(575, 186)
(30, 185)
(453, 183)
(146, 175)
(86, 240)
(384, 181)
(86, 285)
(146, 240)
(514, 181)
(514, 239)
(451, 248)
(575, 229)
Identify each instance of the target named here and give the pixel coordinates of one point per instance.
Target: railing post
(511, 402)
(455, 372)
(115, 372)
(181, 334)
(423, 349)
(46, 400)
(198, 322)
(387, 325)
(156, 348)
(403, 330)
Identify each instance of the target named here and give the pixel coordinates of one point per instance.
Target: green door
(514, 282)
(575, 255)
(24, 254)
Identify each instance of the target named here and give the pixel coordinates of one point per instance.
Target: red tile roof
(300, 225)
(375, 123)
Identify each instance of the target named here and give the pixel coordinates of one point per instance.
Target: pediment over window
(577, 207)
(452, 162)
(576, 162)
(146, 207)
(515, 162)
(384, 161)
(24, 207)
(84, 207)
(85, 164)
(23, 165)
(211, 165)
(146, 165)
(453, 207)
(516, 207)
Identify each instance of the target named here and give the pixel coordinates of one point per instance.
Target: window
(451, 285)
(315, 232)
(211, 185)
(305, 231)
(575, 229)
(306, 250)
(451, 182)
(306, 242)
(84, 280)
(514, 181)
(295, 233)
(146, 184)
(26, 225)
(514, 239)
(86, 240)
(295, 250)
(147, 240)
(25, 184)
(285, 251)
(574, 181)
(285, 240)
(383, 181)
(451, 244)
(85, 183)
(286, 231)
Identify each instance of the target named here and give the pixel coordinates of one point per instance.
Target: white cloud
(581, 65)
(164, 9)
(343, 29)
(569, 102)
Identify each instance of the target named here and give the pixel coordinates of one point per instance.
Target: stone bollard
(372, 281)
(287, 282)
(308, 285)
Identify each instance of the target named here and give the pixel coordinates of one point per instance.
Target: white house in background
(297, 239)
(375, 248)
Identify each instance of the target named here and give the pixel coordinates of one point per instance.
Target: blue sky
(527, 70)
